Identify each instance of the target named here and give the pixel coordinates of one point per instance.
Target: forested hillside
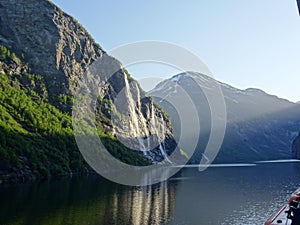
(36, 138)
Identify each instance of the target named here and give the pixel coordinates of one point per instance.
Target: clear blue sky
(245, 43)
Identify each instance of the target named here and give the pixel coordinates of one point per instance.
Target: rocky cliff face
(52, 42)
(55, 46)
(296, 147)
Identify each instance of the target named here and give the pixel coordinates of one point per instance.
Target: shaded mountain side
(36, 139)
(44, 54)
(296, 147)
(259, 126)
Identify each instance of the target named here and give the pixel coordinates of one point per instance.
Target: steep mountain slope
(44, 54)
(296, 147)
(53, 43)
(259, 126)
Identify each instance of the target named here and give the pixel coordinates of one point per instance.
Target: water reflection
(81, 201)
(145, 205)
(219, 195)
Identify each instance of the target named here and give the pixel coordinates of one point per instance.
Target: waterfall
(134, 128)
(142, 146)
(163, 152)
(138, 125)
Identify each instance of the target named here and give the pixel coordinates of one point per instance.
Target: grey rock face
(52, 42)
(55, 46)
(11, 67)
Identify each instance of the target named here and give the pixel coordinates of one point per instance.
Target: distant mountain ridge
(259, 126)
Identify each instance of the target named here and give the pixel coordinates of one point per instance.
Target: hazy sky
(245, 43)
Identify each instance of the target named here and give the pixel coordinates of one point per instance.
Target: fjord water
(240, 194)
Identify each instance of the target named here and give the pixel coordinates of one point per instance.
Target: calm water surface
(221, 195)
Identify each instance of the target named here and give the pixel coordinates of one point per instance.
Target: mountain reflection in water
(222, 194)
(86, 200)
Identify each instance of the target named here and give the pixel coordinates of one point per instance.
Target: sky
(245, 43)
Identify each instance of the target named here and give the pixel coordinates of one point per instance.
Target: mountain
(296, 147)
(259, 126)
(44, 53)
